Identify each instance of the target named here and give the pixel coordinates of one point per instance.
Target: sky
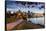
(35, 7)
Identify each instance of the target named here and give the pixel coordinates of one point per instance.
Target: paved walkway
(12, 25)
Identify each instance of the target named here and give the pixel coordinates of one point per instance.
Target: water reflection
(39, 20)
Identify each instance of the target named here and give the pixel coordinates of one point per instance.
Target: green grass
(9, 20)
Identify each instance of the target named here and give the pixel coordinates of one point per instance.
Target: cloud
(12, 6)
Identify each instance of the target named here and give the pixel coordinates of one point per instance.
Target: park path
(12, 25)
